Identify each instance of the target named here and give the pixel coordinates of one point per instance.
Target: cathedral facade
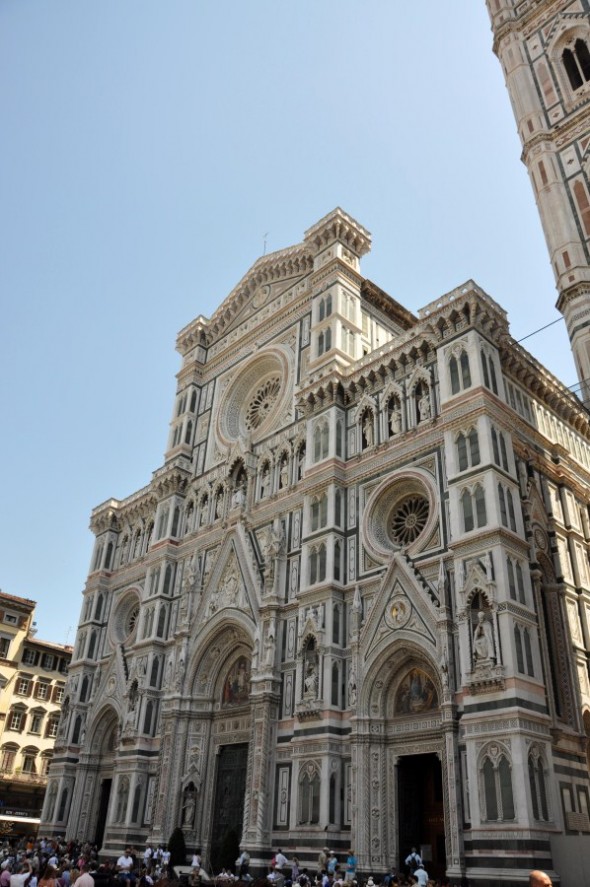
(352, 608)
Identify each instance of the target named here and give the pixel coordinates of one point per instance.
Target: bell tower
(544, 49)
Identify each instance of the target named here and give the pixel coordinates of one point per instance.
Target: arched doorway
(103, 744)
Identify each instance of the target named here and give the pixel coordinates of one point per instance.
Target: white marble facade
(359, 579)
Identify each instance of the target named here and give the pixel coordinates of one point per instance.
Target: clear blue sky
(148, 147)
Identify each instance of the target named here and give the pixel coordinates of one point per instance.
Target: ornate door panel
(228, 807)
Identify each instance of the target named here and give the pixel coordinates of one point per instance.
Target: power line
(540, 330)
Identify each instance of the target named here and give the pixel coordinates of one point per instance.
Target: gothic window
(524, 652)
(460, 372)
(338, 561)
(497, 784)
(161, 628)
(577, 63)
(148, 721)
(499, 449)
(97, 557)
(154, 581)
(193, 404)
(98, 607)
(507, 513)
(332, 806)
(122, 799)
(325, 306)
(338, 508)
(520, 583)
(77, 730)
(176, 521)
(136, 802)
(92, 646)
(168, 579)
(163, 523)
(84, 688)
(319, 512)
(154, 672)
(339, 438)
(336, 624)
(468, 449)
(309, 796)
(537, 786)
(489, 372)
(317, 564)
(63, 802)
(321, 440)
(335, 696)
(109, 556)
(188, 432)
(473, 505)
(324, 341)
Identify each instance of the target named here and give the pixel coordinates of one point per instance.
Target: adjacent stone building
(32, 685)
(353, 605)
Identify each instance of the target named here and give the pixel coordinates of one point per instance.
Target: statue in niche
(284, 474)
(265, 482)
(395, 421)
(269, 647)
(189, 806)
(368, 433)
(352, 688)
(483, 641)
(424, 407)
(310, 683)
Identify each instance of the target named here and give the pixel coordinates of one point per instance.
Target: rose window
(132, 619)
(409, 519)
(262, 403)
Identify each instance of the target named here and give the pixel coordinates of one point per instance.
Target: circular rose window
(400, 513)
(125, 618)
(408, 519)
(262, 402)
(257, 398)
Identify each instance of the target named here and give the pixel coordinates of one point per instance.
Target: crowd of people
(32, 862)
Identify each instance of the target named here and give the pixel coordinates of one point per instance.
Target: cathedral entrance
(228, 808)
(105, 794)
(421, 812)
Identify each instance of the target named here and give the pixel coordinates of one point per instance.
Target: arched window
(332, 807)
(193, 403)
(473, 505)
(468, 449)
(335, 697)
(136, 801)
(489, 371)
(92, 646)
(518, 647)
(460, 372)
(338, 508)
(511, 581)
(499, 449)
(63, 803)
(339, 438)
(309, 796)
(98, 607)
(188, 432)
(321, 440)
(84, 688)
(148, 721)
(154, 674)
(538, 786)
(497, 784)
(507, 513)
(324, 341)
(77, 730)
(325, 306)
(161, 628)
(176, 521)
(577, 63)
(168, 579)
(319, 512)
(8, 758)
(337, 561)
(109, 556)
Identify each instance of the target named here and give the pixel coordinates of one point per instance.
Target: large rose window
(400, 513)
(257, 398)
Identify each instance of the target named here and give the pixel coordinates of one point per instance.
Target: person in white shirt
(281, 860)
(421, 875)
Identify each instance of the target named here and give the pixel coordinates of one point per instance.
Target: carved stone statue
(352, 688)
(395, 421)
(310, 683)
(368, 430)
(483, 641)
(424, 407)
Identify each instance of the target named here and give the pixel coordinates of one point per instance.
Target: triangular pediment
(402, 610)
(234, 583)
(267, 278)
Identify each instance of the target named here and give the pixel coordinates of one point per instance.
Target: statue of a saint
(483, 641)
(310, 684)
(424, 407)
(395, 421)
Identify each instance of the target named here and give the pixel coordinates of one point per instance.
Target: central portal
(228, 809)
(420, 812)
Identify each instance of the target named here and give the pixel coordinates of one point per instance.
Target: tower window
(577, 63)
